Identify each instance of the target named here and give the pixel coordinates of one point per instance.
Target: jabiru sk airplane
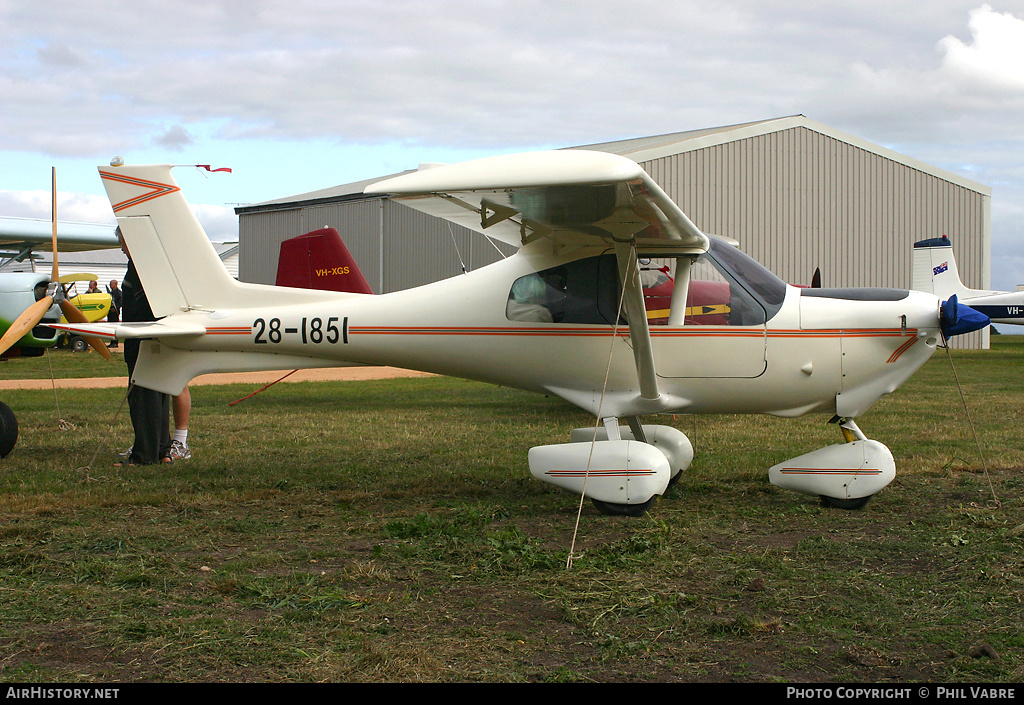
(570, 314)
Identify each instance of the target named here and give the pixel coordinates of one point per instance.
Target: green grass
(390, 531)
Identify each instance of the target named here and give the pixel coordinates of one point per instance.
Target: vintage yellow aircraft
(567, 315)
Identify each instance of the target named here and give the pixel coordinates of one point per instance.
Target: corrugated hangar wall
(795, 199)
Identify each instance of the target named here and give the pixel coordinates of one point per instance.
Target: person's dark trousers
(150, 413)
(113, 317)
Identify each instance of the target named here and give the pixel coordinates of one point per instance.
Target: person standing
(149, 409)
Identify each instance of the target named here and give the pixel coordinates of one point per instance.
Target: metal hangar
(795, 193)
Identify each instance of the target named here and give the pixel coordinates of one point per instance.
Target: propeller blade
(816, 279)
(28, 320)
(54, 273)
(73, 315)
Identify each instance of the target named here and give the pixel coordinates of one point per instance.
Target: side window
(533, 299)
(584, 291)
(726, 288)
(714, 297)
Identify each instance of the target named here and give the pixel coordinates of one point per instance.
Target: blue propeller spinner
(957, 318)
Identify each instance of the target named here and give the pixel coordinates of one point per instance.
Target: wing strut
(636, 314)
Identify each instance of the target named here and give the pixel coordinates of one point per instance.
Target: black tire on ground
(848, 504)
(623, 510)
(8, 430)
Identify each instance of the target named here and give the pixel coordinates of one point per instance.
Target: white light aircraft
(582, 311)
(935, 271)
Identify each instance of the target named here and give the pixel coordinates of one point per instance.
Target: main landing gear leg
(851, 432)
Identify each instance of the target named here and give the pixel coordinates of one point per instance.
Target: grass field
(390, 531)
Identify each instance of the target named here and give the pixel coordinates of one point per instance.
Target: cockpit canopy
(724, 286)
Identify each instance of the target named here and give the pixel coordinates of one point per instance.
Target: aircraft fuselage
(819, 352)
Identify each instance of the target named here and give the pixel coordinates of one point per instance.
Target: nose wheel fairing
(845, 472)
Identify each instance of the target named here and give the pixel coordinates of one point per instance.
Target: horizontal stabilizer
(125, 331)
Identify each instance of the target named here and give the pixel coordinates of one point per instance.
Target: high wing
(570, 196)
(22, 234)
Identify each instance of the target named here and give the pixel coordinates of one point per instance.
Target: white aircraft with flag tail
(935, 271)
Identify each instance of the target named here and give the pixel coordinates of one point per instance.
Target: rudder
(320, 260)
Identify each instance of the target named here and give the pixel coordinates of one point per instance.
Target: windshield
(768, 289)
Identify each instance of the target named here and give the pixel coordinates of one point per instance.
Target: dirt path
(318, 375)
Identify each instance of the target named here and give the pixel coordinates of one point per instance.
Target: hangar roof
(642, 149)
(344, 192)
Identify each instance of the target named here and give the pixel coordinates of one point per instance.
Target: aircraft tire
(673, 480)
(78, 344)
(8, 430)
(623, 510)
(852, 505)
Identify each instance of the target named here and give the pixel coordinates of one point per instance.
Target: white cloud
(71, 207)
(176, 138)
(219, 222)
(994, 59)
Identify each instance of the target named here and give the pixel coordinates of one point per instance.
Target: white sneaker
(178, 451)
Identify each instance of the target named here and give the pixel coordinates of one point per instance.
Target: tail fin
(934, 269)
(175, 259)
(320, 260)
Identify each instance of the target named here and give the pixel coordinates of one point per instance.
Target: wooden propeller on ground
(31, 316)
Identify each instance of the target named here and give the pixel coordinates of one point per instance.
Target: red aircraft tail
(320, 260)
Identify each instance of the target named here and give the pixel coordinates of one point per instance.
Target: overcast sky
(298, 95)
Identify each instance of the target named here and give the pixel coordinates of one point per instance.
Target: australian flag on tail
(940, 269)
